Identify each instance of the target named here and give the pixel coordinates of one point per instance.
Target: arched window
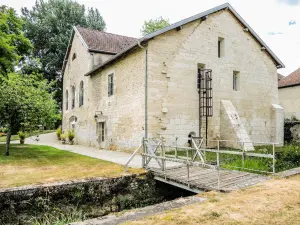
(81, 93)
(73, 96)
(67, 100)
(74, 56)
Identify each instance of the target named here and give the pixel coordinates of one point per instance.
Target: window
(67, 100)
(101, 131)
(236, 81)
(220, 47)
(74, 56)
(81, 94)
(110, 85)
(73, 96)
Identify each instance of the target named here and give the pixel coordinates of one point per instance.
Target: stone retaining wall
(91, 197)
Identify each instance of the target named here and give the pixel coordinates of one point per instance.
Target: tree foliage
(48, 25)
(153, 25)
(13, 45)
(25, 102)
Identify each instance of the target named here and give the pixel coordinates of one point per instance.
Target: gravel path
(112, 156)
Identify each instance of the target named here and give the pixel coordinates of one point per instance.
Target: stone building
(209, 75)
(289, 94)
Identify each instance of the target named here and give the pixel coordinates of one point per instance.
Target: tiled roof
(104, 42)
(291, 80)
(279, 76)
(179, 24)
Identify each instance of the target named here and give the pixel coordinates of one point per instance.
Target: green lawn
(32, 164)
(34, 133)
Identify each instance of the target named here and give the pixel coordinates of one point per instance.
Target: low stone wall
(91, 197)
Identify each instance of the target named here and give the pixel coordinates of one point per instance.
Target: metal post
(187, 154)
(218, 171)
(243, 157)
(163, 156)
(188, 172)
(274, 159)
(218, 154)
(176, 148)
(143, 152)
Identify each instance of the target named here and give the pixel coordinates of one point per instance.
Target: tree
(13, 44)
(153, 25)
(48, 25)
(25, 101)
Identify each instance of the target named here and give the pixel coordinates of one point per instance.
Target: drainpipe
(146, 89)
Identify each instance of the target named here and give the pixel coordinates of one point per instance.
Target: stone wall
(123, 113)
(289, 99)
(173, 103)
(174, 58)
(73, 75)
(93, 197)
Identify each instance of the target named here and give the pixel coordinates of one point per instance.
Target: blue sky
(277, 22)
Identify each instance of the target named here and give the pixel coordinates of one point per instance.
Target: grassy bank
(32, 164)
(272, 202)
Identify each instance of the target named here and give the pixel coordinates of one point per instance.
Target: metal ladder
(205, 101)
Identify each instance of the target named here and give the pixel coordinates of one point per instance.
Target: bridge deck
(206, 179)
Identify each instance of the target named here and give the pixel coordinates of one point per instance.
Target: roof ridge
(180, 23)
(101, 31)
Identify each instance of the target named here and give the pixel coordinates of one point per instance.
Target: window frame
(73, 96)
(102, 131)
(67, 100)
(81, 93)
(221, 47)
(110, 87)
(236, 80)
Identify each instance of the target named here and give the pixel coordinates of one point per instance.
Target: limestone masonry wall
(123, 113)
(173, 104)
(174, 58)
(289, 99)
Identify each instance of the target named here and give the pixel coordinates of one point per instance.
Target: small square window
(236, 81)
(221, 47)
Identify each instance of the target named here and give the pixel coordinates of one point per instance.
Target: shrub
(288, 158)
(71, 136)
(5, 130)
(288, 125)
(63, 138)
(58, 133)
(22, 137)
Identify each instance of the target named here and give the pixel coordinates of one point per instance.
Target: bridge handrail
(132, 156)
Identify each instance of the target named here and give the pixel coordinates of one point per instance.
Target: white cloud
(290, 2)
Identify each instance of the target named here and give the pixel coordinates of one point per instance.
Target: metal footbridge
(199, 169)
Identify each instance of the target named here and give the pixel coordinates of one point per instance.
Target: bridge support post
(218, 154)
(243, 156)
(143, 151)
(274, 160)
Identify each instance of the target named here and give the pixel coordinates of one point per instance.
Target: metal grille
(204, 86)
(205, 91)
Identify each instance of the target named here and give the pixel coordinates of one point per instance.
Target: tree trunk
(8, 142)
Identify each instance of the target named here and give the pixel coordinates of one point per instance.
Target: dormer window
(74, 56)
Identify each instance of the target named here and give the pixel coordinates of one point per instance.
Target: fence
(212, 157)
